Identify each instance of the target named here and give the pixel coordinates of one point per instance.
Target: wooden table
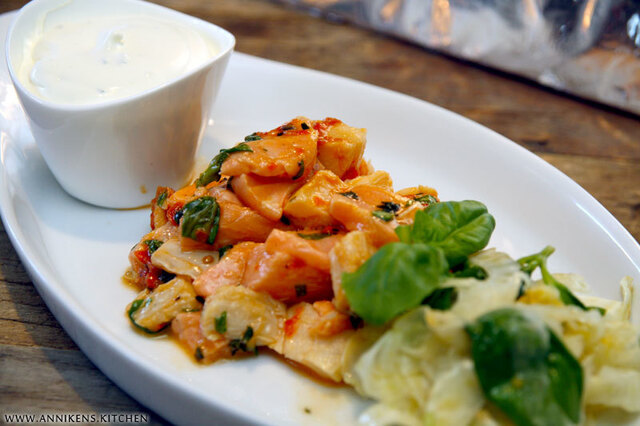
(42, 370)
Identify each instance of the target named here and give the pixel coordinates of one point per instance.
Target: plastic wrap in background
(589, 48)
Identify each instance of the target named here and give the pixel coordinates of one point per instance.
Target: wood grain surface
(42, 370)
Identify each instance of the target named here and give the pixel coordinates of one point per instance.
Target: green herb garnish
(153, 245)
(383, 215)
(223, 250)
(252, 137)
(528, 264)
(161, 199)
(525, 370)
(135, 307)
(442, 298)
(212, 173)
(426, 199)
(401, 275)
(221, 323)
(201, 217)
(242, 344)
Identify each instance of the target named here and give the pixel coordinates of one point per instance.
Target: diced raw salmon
(378, 178)
(186, 328)
(418, 191)
(291, 155)
(229, 271)
(357, 215)
(347, 256)
(309, 206)
(267, 196)
(285, 277)
(313, 250)
(340, 147)
(376, 195)
(331, 321)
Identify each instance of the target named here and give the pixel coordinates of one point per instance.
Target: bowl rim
(225, 40)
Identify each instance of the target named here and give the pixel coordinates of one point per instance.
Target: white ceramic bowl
(114, 153)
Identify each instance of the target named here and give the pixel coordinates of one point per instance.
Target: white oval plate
(76, 253)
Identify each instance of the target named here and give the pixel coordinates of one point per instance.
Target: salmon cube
(186, 328)
(340, 147)
(267, 196)
(309, 206)
(285, 277)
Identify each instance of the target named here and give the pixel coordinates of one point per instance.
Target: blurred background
(562, 81)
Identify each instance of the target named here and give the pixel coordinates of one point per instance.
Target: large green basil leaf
(201, 217)
(212, 173)
(396, 278)
(525, 370)
(459, 228)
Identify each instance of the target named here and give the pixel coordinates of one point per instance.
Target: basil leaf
(525, 370)
(201, 216)
(442, 299)
(221, 323)
(383, 215)
(252, 137)
(528, 264)
(426, 199)
(396, 278)
(212, 173)
(153, 245)
(459, 228)
(135, 307)
(469, 270)
(162, 198)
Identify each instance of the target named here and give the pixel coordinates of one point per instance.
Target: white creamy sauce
(103, 58)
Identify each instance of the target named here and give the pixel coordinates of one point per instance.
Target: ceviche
(292, 242)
